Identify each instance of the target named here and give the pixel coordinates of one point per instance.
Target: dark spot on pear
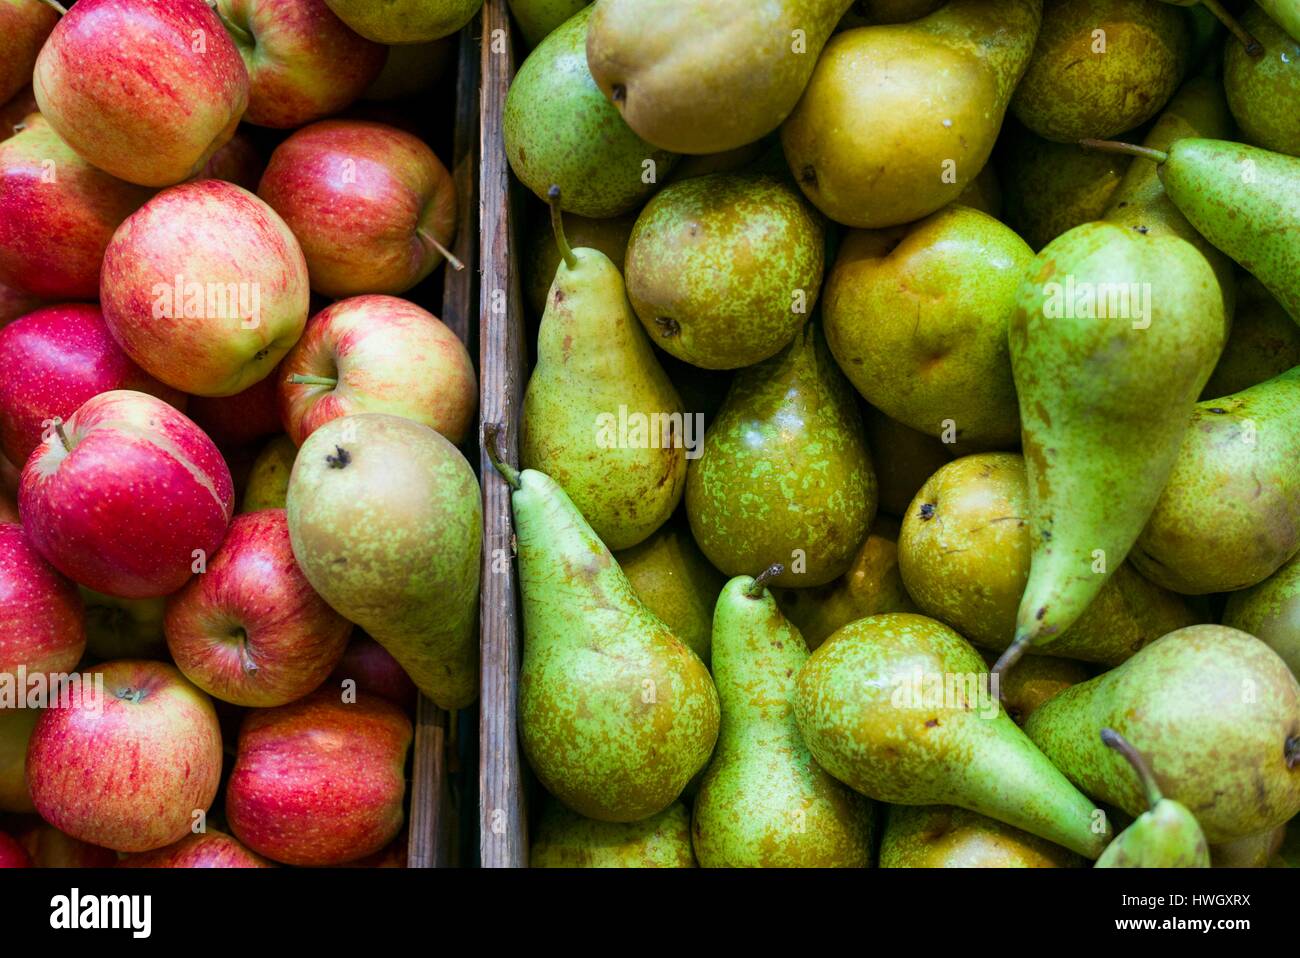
(1042, 611)
(340, 459)
(808, 175)
(931, 723)
(260, 354)
(1218, 411)
(668, 326)
(619, 93)
(559, 295)
(927, 511)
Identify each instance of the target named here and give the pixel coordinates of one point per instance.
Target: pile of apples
(209, 217)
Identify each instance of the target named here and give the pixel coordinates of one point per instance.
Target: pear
(784, 472)
(616, 714)
(1035, 680)
(872, 586)
(268, 480)
(702, 76)
(1263, 91)
(723, 270)
(1270, 611)
(564, 839)
(1285, 13)
(899, 707)
(916, 316)
(904, 459)
(1209, 708)
(541, 259)
(1253, 851)
(599, 415)
(1166, 835)
(537, 19)
(1113, 338)
(944, 836)
(676, 582)
(1233, 492)
(896, 120)
(560, 130)
(1079, 84)
(386, 522)
(764, 802)
(1264, 342)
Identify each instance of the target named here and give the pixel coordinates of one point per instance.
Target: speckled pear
(564, 839)
(1262, 91)
(944, 836)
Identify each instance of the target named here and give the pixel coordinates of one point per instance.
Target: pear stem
(301, 379)
(557, 227)
(492, 437)
(1013, 654)
(1112, 739)
(63, 436)
(1132, 149)
(755, 588)
(432, 240)
(63, 11)
(236, 31)
(1253, 46)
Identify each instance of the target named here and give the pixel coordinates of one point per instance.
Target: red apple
(55, 359)
(146, 90)
(375, 672)
(14, 113)
(57, 214)
(378, 354)
(128, 497)
(239, 162)
(372, 206)
(319, 782)
(210, 849)
(15, 731)
(12, 855)
(51, 848)
(242, 419)
(205, 287)
(24, 25)
(251, 630)
(130, 769)
(42, 623)
(303, 62)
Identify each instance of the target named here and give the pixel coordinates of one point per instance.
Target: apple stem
(1253, 46)
(761, 580)
(300, 379)
(432, 240)
(1112, 739)
(246, 657)
(1132, 149)
(238, 32)
(557, 227)
(63, 436)
(63, 11)
(492, 434)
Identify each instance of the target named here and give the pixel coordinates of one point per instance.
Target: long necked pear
(902, 709)
(896, 120)
(1214, 711)
(785, 472)
(386, 522)
(764, 802)
(616, 714)
(703, 76)
(1113, 338)
(564, 839)
(1166, 835)
(1229, 514)
(944, 836)
(600, 416)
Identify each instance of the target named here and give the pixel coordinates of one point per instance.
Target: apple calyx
(340, 459)
(129, 694)
(755, 588)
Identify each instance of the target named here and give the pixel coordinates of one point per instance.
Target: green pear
(268, 480)
(916, 316)
(676, 582)
(616, 714)
(1253, 851)
(1166, 835)
(1035, 680)
(1264, 342)
(540, 257)
(1113, 338)
(764, 802)
(1285, 13)
(1101, 67)
(1270, 611)
(723, 270)
(784, 471)
(1209, 708)
(900, 708)
(386, 523)
(702, 76)
(896, 120)
(559, 130)
(537, 19)
(1263, 91)
(944, 836)
(599, 415)
(564, 839)
(872, 586)
(904, 459)
(1229, 514)
(964, 555)
(405, 21)
(123, 628)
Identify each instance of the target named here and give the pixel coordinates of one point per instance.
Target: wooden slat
(503, 829)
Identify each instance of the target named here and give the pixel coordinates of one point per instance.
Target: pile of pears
(908, 464)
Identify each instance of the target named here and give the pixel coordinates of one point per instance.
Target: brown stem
(63, 11)
(1014, 653)
(1112, 739)
(755, 588)
(1132, 149)
(432, 240)
(63, 436)
(1253, 46)
(493, 435)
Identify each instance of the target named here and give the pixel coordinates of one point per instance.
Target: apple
(378, 354)
(319, 782)
(251, 630)
(244, 418)
(42, 623)
(12, 855)
(54, 360)
(239, 162)
(14, 113)
(405, 21)
(24, 25)
(128, 497)
(146, 91)
(129, 769)
(375, 672)
(15, 731)
(51, 848)
(210, 849)
(372, 206)
(123, 628)
(303, 62)
(57, 214)
(205, 287)
(410, 69)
